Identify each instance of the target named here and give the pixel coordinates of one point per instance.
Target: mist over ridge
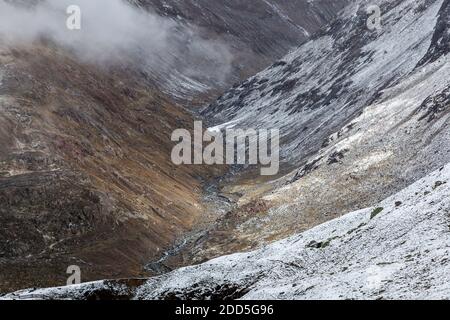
(116, 32)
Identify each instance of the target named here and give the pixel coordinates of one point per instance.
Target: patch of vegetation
(314, 244)
(357, 228)
(384, 263)
(320, 245)
(376, 212)
(336, 157)
(325, 244)
(438, 184)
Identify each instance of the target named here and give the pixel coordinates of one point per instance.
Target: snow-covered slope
(86, 119)
(247, 36)
(398, 249)
(362, 115)
(326, 83)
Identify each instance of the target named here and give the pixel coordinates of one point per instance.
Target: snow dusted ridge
(398, 249)
(362, 114)
(402, 252)
(323, 85)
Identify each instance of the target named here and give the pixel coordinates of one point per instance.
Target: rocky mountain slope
(85, 170)
(255, 33)
(364, 119)
(362, 114)
(398, 249)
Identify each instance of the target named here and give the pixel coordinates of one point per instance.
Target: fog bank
(114, 31)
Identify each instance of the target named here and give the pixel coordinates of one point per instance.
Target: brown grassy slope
(85, 170)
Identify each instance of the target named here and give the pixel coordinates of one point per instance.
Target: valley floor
(398, 249)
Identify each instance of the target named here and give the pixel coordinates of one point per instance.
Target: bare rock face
(261, 31)
(254, 33)
(362, 114)
(440, 44)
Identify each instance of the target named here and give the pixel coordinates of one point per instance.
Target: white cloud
(114, 31)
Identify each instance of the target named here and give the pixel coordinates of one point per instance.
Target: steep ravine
(85, 170)
(397, 249)
(355, 143)
(364, 118)
(363, 114)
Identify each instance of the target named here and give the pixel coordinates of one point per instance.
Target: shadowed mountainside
(362, 114)
(256, 33)
(85, 175)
